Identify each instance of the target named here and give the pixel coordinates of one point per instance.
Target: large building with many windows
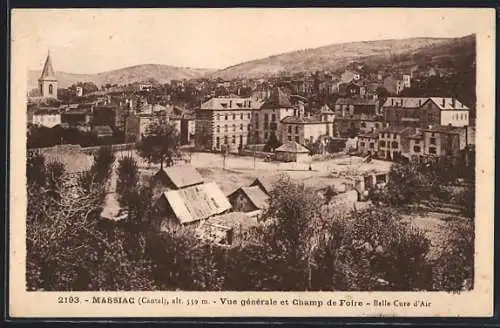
(225, 121)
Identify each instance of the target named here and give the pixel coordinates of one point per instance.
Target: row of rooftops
(411, 132)
(443, 103)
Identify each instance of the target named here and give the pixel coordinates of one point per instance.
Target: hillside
(161, 73)
(337, 56)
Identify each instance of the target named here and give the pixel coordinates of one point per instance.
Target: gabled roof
(197, 202)
(405, 102)
(449, 103)
(263, 184)
(182, 176)
(277, 99)
(292, 147)
(48, 71)
(255, 194)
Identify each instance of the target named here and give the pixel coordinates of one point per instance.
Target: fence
(78, 148)
(258, 154)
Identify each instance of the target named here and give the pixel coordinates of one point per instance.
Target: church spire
(48, 70)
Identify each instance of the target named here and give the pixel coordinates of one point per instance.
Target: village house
(47, 117)
(449, 111)
(393, 141)
(304, 130)
(368, 143)
(267, 119)
(224, 121)
(350, 125)
(349, 106)
(421, 112)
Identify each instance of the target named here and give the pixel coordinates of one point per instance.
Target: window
(256, 125)
(363, 125)
(266, 135)
(289, 129)
(416, 149)
(234, 116)
(273, 118)
(217, 142)
(265, 125)
(225, 140)
(297, 129)
(361, 144)
(273, 126)
(225, 117)
(241, 127)
(218, 116)
(289, 138)
(241, 140)
(225, 128)
(249, 116)
(381, 143)
(377, 125)
(433, 141)
(266, 117)
(218, 128)
(256, 116)
(297, 139)
(234, 139)
(248, 127)
(432, 150)
(394, 144)
(372, 145)
(234, 127)
(51, 89)
(241, 116)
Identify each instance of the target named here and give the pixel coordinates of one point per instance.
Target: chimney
(443, 103)
(419, 102)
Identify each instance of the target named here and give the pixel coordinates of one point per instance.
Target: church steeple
(48, 80)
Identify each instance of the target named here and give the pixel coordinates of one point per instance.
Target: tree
(294, 210)
(128, 178)
(35, 168)
(160, 142)
(103, 164)
(408, 183)
(454, 268)
(272, 143)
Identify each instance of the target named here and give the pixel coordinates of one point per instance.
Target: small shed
(292, 152)
(248, 199)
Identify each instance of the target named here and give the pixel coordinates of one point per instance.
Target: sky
(96, 40)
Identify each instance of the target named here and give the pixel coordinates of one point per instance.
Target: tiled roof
(405, 102)
(183, 175)
(292, 147)
(277, 99)
(406, 131)
(354, 101)
(72, 158)
(256, 195)
(265, 183)
(301, 120)
(449, 103)
(229, 103)
(197, 202)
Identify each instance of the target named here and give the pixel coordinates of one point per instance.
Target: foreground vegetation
(297, 247)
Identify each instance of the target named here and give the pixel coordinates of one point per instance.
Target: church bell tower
(48, 81)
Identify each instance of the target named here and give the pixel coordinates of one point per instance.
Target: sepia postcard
(313, 162)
